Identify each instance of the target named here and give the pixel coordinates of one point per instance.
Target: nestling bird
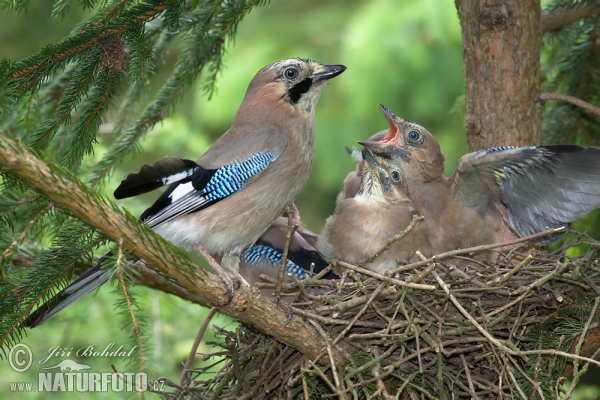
(497, 193)
(362, 225)
(223, 202)
(354, 178)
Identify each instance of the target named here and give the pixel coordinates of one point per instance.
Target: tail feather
(91, 280)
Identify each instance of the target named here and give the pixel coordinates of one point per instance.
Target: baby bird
(362, 225)
(495, 194)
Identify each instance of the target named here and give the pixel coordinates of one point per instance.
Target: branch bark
(562, 16)
(71, 195)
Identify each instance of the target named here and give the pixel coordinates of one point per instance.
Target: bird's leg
(231, 266)
(228, 273)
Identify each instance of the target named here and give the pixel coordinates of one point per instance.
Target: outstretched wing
(540, 187)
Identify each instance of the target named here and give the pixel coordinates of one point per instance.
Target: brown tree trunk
(501, 55)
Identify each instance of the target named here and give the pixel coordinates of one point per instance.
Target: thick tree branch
(72, 196)
(562, 16)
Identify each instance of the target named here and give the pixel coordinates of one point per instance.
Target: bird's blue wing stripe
(223, 182)
(231, 178)
(499, 148)
(257, 253)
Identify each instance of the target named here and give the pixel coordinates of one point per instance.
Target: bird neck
(423, 192)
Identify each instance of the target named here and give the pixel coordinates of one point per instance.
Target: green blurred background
(406, 55)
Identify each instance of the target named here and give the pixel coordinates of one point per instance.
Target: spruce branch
(59, 186)
(77, 87)
(131, 309)
(30, 70)
(566, 15)
(207, 29)
(51, 269)
(572, 100)
(203, 45)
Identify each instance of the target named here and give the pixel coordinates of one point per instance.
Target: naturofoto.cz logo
(70, 376)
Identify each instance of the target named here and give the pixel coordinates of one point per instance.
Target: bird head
(294, 83)
(382, 178)
(413, 148)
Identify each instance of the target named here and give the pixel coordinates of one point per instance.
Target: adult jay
(495, 194)
(362, 225)
(224, 201)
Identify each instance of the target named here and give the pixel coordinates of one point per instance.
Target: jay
(223, 202)
(362, 225)
(495, 194)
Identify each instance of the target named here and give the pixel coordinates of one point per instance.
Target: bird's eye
(395, 176)
(413, 135)
(290, 73)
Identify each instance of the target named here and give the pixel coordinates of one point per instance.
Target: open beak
(329, 71)
(393, 136)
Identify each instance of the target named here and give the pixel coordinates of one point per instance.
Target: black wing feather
(153, 176)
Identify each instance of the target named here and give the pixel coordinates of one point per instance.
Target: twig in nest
(381, 389)
(553, 361)
(422, 275)
(393, 281)
(321, 274)
(534, 384)
(194, 349)
(321, 374)
(286, 248)
(268, 356)
(355, 301)
(399, 236)
(235, 360)
(495, 341)
(514, 382)
(304, 384)
(524, 291)
(510, 273)
(325, 337)
(468, 316)
(359, 314)
(576, 373)
(476, 249)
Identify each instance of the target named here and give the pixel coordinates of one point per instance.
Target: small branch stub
(495, 15)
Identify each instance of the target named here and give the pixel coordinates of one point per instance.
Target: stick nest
(485, 331)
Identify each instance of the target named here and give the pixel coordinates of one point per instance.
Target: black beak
(389, 115)
(372, 153)
(330, 71)
(374, 147)
(383, 150)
